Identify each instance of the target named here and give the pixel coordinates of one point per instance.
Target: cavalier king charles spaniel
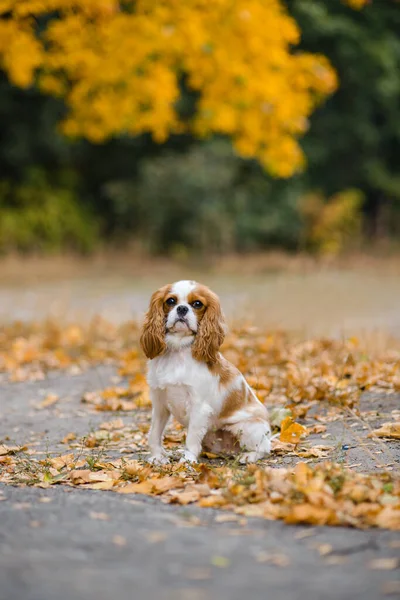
(190, 379)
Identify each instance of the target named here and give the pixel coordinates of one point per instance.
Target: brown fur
(211, 330)
(210, 334)
(238, 399)
(221, 442)
(225, 370)
(152, 339)
(233, 402)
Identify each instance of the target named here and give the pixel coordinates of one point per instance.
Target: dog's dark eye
(170, 301)
(197, 304)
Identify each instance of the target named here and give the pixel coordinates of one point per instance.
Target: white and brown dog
(189, 378)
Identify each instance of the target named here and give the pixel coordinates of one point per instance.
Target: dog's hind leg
(254, 437)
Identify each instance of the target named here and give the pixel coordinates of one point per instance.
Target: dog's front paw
(158, 459)
(188, 457)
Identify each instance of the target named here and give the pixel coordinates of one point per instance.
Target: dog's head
(182, 314)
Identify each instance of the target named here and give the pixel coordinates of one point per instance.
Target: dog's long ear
(211, 332)
(152, 339)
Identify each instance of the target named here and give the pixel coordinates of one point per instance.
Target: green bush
(206, 200)
(38, 217)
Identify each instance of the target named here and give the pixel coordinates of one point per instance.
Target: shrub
(332, 226)
(206, 200)
(38, 217)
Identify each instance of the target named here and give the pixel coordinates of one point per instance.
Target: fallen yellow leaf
(308, 513)
(101, 485)
(79, 476)
(49, 401)
(70, 437)
(62, 461)
(291, 432)
(212, 501)
(10, 449)
(159, 486)
(144, 487)
(387, 430)
(185, 497)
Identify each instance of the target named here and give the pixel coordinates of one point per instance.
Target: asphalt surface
(64, 543)
(67, 549)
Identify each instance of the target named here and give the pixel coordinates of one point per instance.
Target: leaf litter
(316, 381)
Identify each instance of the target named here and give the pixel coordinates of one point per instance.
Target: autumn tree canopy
(120, 64)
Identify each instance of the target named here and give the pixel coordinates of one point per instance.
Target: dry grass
(357, 296)
(17, 269)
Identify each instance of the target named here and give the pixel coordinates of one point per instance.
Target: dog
(189, 378)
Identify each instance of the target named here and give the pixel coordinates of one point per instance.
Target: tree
(120, 66)
(354, 139)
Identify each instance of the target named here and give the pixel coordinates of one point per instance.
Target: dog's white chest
(179, 402)
(178, 369)
(188, 386)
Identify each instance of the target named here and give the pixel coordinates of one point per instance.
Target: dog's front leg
(159, 420)
(199, 422)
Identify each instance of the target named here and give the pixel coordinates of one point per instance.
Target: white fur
(182, 289)
(186, 388)
(254, 436)
(183, 378)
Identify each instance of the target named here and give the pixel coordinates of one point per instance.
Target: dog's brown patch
(233, 402)
(225, 370)
(152, 339)
(221, 442)
(211, 330)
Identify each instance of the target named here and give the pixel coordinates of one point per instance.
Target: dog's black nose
(182, 310)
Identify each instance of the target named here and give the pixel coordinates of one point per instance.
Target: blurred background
(253, 144)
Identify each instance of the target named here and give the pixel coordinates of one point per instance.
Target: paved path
(71, 544)
(57, 551)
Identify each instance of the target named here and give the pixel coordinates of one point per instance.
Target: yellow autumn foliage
(356, 4)
(331, 226)
(119, 65)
